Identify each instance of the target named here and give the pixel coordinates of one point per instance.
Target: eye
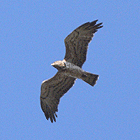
(64, 64)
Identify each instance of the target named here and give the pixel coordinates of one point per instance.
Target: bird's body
(69, 69)
(74, 71)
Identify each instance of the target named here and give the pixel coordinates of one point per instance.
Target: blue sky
(32, 37)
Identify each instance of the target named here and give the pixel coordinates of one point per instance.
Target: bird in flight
(69, 69)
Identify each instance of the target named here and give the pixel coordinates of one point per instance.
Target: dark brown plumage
(69, 69)
(77, 42)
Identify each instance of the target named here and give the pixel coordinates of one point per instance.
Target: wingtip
(94, 26)
(93, 22)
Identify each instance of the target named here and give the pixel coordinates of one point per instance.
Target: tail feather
(90, 78)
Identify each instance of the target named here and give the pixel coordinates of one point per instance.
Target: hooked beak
(52, 64)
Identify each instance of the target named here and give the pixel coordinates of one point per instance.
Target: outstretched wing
(51, 92)
(77, 42)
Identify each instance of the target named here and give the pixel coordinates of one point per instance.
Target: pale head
(59, 64)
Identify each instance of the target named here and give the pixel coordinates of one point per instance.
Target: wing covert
(77, 42)
(51, 92)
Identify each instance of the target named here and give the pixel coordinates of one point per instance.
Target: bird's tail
(90, 78)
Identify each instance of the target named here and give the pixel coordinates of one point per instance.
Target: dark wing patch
(77, 42)
(51, 92)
